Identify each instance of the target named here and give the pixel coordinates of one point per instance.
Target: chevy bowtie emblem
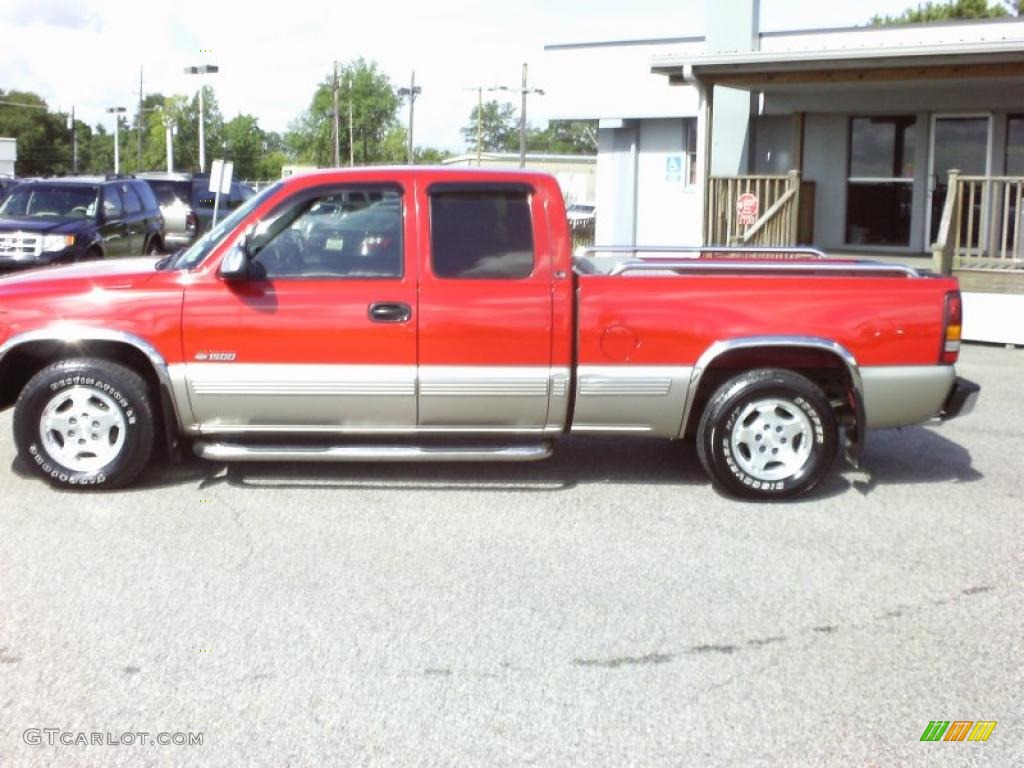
(215, 357)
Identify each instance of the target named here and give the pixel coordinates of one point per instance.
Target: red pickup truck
(439, 314)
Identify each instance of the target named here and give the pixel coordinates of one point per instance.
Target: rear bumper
(962, 399)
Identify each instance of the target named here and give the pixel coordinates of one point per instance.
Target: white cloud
(69, 14)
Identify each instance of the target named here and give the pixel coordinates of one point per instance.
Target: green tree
(952, 9)
(374, 103)
(99, 151)
(577, 137)
(44, 141)
(430, 155)
(184, 111)
(245, 145)
(498, 126)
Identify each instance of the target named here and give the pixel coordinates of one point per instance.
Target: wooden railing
(982, 225)
(777, 218)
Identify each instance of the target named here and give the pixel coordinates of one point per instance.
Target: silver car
(187, 204)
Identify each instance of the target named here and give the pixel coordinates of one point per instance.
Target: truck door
(485, 311)
(323, 337)
(113, 228)
(134, 219)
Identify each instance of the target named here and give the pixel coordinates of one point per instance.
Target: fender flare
(72, 334)
(855, 436)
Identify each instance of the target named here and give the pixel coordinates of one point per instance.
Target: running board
(267, 452)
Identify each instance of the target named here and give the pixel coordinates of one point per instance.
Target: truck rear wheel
(84, 423)
(767, 434)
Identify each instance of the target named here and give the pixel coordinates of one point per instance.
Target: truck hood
(42, 225)
(113, 273)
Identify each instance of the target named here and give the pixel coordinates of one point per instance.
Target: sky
(87, 53)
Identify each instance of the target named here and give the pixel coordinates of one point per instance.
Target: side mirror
(235, 264)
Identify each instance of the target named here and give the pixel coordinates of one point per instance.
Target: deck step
(231, 451)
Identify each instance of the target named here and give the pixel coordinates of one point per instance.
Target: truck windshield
(194, 256)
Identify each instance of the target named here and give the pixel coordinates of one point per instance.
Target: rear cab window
(483, 232)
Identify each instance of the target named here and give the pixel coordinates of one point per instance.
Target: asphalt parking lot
(605, 607)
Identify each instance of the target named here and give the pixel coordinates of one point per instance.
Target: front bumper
(962, 399)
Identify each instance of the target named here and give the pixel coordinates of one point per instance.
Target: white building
(874, 117)
(8, 156)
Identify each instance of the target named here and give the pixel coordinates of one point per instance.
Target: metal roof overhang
(761, 70)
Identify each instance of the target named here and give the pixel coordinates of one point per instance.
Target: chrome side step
(269, 452)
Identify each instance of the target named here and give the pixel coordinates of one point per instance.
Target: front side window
(319, 237)
(113, 208)
(481, 233)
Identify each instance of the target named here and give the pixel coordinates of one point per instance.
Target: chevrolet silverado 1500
(443, 316)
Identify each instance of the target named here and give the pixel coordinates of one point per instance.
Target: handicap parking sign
(674, 168)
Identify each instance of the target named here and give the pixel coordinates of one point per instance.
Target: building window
(1015, 146)
(690, 139)
(880, 185)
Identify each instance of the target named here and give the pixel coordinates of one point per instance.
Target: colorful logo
(958, 730)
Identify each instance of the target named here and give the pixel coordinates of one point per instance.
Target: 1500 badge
(215, 357)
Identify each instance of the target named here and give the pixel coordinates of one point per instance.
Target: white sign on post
(220, 183)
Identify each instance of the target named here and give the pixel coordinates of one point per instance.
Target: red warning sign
(747, 209)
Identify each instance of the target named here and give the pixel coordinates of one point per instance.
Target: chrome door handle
(389, 312)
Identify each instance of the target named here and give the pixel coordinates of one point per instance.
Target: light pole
(522, 113)
(205, 69)
(412, 92)
(116, 112)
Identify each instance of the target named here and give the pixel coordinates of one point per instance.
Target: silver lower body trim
(643, 399)
(236, 452)
(901, 396)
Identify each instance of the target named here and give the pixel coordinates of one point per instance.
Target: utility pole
(117, 112)
(138, 123)
(412, 92)
(337, 131)
(479, 125)
(524, 91)
(351, 125)
(205, 69)
(169, 128)
(74, 144)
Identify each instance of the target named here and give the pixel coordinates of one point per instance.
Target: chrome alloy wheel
(772, 439)
(82, 428)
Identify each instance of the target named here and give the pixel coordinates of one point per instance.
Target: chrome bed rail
(737, 260)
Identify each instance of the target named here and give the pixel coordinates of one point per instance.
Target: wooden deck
(1006, 281)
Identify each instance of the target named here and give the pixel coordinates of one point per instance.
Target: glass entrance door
(959, 142)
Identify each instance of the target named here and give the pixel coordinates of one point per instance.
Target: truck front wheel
(767, 434)
(84, 423)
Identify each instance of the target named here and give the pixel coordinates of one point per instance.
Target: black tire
(107, 445)
(93, 254)
(154, 247)
(767, 434)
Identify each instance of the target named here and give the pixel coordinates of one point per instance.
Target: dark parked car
(187, 204)
(53, 221)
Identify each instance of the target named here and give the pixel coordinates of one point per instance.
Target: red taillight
(952, 326)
